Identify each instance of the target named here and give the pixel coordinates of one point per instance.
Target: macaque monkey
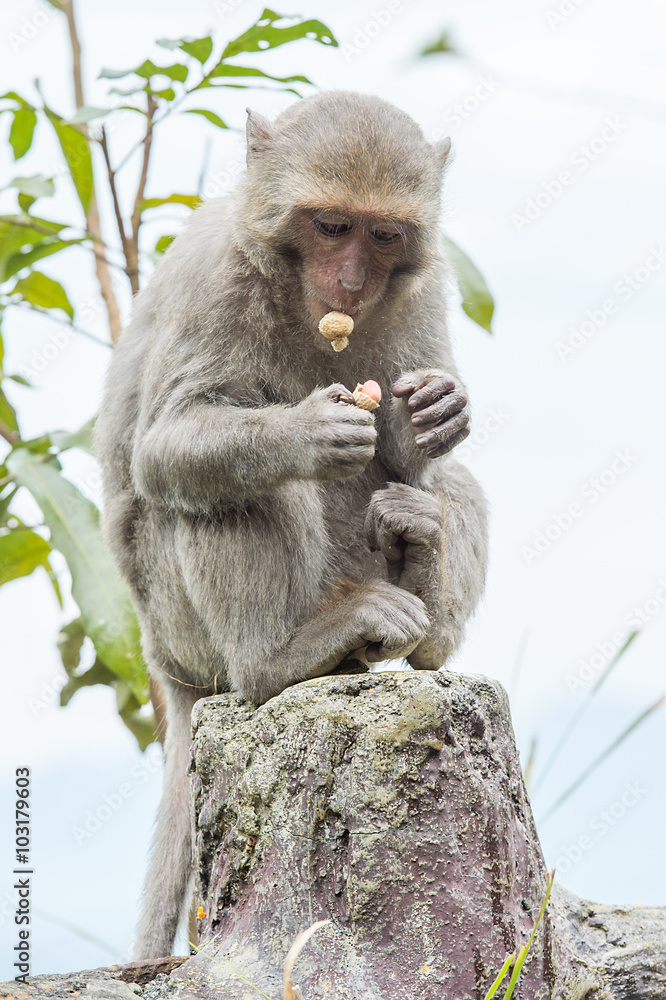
(266, 526)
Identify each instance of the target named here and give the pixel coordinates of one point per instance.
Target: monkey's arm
(204, 454)
(435, 543)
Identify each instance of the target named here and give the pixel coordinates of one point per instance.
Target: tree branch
(127, 249)
(133, 241)
(92, 217)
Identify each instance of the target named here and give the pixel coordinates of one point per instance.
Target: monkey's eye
(331, 228)
(385, 236)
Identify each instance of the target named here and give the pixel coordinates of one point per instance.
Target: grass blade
(602, 757)
(575, 719)
(500, 978)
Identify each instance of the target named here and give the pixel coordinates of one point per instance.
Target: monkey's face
(347, 260)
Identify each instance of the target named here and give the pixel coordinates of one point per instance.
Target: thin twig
(133, 242)
(114, 193)
(92, 216)
(63, 322)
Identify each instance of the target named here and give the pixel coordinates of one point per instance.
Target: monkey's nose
(352, 282)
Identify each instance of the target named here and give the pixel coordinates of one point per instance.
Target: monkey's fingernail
(424, 439)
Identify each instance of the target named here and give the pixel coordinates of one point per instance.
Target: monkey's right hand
(338, 439)
(392, 622)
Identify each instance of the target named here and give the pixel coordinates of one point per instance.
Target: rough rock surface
(625, 946)
(394, 805)
(117, 982)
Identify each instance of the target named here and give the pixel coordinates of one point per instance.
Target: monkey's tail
(169, 871)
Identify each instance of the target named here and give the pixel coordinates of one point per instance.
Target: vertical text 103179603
(23, 874)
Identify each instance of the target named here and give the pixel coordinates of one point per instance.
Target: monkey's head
(343, 194)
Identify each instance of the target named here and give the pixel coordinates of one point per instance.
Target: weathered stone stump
(392, 804)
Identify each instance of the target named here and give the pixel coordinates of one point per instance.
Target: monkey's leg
(170, 866)
(261, 584)
(435, 543)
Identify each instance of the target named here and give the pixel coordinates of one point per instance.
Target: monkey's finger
(339, 393)
(404, 386)
(445, 446)
(441, 410)
(431, 390)
(353, 439)
(388, 543)
(443, 433)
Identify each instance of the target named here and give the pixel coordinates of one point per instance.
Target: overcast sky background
(584, 93)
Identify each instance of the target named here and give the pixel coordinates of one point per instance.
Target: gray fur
(238, 491)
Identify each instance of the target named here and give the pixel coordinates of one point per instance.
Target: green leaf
(163, 243)
(442, 44)
(103, 600)
(83, 438)
(43, 292)
(97, 674)
(8, 414)
(168, 94)
(11, 95)
(142, 726)
(210, 115)
(70, 641)
(191, 200)
(21, 552)
(76, 151)
(224, 70)
(5, 502)
(22, 130)
(114, 74)
(17, 231)
(35, 186)
(20, 260)
(26, 202)
(87, 114)
(263, 35)
(19, 379)
(198, 48)
(476, 298)
(178, 71)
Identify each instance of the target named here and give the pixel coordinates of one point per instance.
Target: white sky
(586, 95)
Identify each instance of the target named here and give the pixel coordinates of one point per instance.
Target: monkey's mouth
(322, 308)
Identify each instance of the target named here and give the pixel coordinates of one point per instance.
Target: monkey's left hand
(438, 405)
(406, 525)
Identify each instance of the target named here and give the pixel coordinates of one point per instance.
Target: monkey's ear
(442, 153)
(259, 134)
